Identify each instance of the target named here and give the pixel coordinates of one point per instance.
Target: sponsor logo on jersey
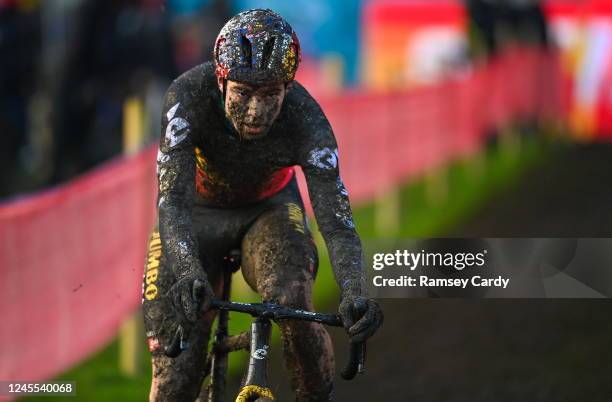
(324, 158)
(296, 217)
(177, 128)
(152, 271)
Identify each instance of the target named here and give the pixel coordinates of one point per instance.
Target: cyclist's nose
(256, 107)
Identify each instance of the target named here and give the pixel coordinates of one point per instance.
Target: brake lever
(177, 345)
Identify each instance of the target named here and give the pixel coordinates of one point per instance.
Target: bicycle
(255, 387)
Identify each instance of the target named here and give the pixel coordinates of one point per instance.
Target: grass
(469, 184)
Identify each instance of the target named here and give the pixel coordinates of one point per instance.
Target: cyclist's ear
(221, 84)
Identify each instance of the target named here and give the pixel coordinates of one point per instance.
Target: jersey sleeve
(318, 157)
(176, 179)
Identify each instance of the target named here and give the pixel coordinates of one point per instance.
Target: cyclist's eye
(240, 92)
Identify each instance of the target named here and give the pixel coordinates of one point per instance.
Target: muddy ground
(453, 350)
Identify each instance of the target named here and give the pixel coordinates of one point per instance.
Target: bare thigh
(279, 258)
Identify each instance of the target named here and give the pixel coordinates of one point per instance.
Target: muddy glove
(361, 316)
(191, 296)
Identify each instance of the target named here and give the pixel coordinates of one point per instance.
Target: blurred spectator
(495, 23)
(195, 25)
(115, 49)
(20, 39)
(122, 48)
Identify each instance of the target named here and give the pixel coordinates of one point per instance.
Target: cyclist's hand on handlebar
(361, 317)
(191, 295)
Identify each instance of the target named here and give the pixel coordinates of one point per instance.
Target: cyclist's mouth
(253, 129)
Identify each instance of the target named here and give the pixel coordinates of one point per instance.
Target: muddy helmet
(257, 47)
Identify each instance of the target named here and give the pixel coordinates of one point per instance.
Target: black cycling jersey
(204, 162)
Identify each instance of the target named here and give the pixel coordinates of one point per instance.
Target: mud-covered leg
(279, 261)
(177, 379)
(180, 378)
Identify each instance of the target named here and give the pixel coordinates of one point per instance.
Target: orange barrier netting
(71, 258)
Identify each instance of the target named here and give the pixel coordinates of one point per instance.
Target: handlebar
(277, 312)
(357, 353)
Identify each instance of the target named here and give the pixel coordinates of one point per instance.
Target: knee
(293, 293)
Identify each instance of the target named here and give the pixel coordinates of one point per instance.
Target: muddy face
(253, 109)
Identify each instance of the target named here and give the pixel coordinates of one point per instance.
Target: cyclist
(232, 132)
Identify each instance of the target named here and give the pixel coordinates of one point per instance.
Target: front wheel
(255, 393)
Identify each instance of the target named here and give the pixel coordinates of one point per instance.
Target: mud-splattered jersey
(203, 161)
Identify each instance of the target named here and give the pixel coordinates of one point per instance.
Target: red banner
(71, 265)
(385, 138)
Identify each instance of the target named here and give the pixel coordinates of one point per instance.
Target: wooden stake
(131, 333)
